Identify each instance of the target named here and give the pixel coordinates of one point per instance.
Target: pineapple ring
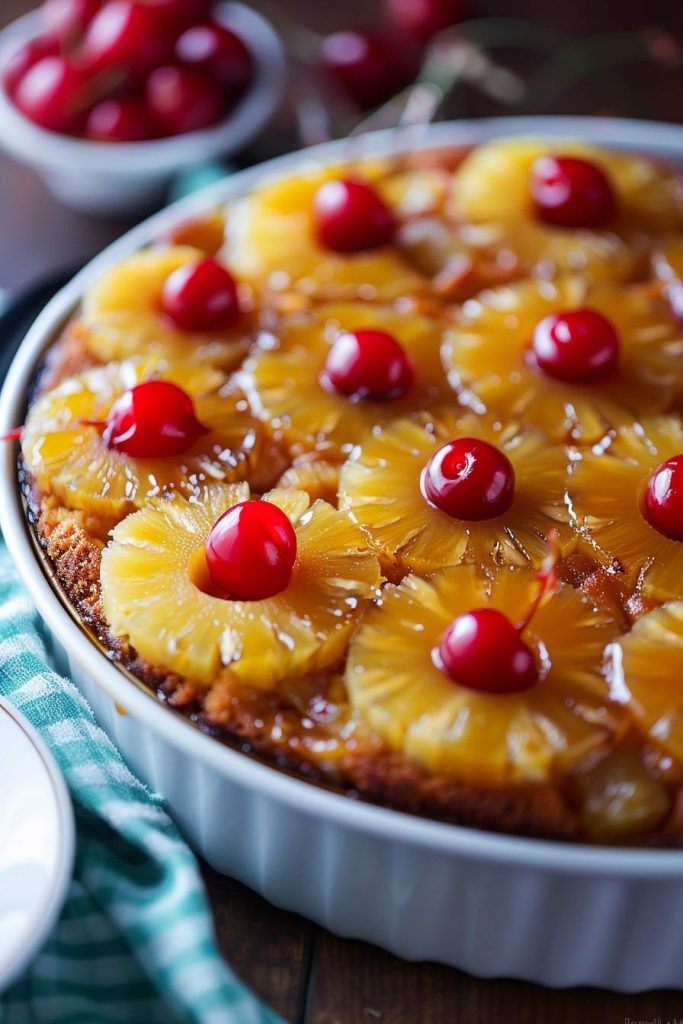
(605, 489)
(147, 588)
(68, 457)
(646, 674)
(271, 242)
(283, 382)
(486, 358)
(492, 183)
(380, 487)
(492, 188)
(478, 737)
(122, 315)
(318, 477)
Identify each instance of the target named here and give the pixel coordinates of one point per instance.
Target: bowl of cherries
(109, 99)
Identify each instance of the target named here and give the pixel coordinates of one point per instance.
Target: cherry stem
(13, 435)
(547, 580)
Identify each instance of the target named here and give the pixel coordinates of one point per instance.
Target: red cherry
(126, 34)
(180, 100)
(218, 53)
(483, 651)
(663, 499)
(369, 68)
(68, 19)
(469, 479)
(368, 364)
(53, 94)
(572, 192)
(580, 346)
(23, 59)
(350, 216)
(423, 18)
(153, 420)
(251, 551)
(118, 120)
(201, 296)
(181, 12)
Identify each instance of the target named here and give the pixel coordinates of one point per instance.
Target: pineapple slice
(317, 476)
(605, 488)
(123, 317)
(283, 385)
(646, 675)
(380, 487)
(271, 245)
(152, 573)
(70, 459)
(492, 187)
(487, 352)
(205, 232)
(619, 799)
(492, 183)
(481, 738)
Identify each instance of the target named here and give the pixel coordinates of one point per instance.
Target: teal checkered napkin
(134, 944)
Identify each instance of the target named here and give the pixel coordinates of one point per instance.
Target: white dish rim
(46, 914)
(559, 857)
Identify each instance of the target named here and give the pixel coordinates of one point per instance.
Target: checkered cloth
(134, 944)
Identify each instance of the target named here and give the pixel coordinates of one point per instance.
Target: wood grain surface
(303, 972)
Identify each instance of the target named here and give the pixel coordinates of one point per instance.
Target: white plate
(496, 905)
(36, 843)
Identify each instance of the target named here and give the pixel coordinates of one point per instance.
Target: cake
(378, 474)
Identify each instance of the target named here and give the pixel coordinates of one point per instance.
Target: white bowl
(494, 905)
(124, 178)
(36, 843)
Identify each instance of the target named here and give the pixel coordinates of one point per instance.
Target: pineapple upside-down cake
(378, 473)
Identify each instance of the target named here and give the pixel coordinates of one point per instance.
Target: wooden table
(306, 974)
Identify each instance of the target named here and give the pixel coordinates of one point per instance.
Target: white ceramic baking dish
(493, 905)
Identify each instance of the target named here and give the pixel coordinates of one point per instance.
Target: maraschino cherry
(484, 650)
(126, 35)
(201, 296)
(118, 120)
(663, 499)
(368, 364)
(423, 18)
(350, 216)
(251, 551)
(215, 51)
(152, 420)
(369, 67)
(24, 58)
(580, 346)
(571, 192)
(53, 94)
(469, 479)
(181, 100)
(67, 20)
(181, 12)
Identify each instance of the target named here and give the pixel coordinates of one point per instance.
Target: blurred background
(355, 64)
